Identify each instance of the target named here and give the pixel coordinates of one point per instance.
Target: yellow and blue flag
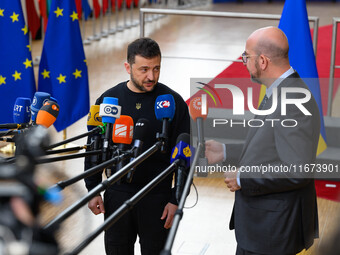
(63, 68)
(294, 23)
(16, 67)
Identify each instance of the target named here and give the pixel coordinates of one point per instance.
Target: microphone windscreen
(53, 99)
(109, 110)
(38, 100)
(165, 107)
(22, 110)
(195, 109)
(182, 150)
(184, 137)
(123, 130)
(93, 118)
(48, 114)
(141, 129)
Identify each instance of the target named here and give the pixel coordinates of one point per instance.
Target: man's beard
(139, 86)
(255, 78)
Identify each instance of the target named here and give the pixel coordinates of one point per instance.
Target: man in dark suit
(275, 210)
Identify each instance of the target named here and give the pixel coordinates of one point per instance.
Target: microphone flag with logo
(198, 108)
(48, 114)
(16, 67)
(38, 101)
(165, 107)
(123, 130)
(183, 152)
(93, 118)
(63, 68)
(22, 110)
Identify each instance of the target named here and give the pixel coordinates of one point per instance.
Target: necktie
(264, 101)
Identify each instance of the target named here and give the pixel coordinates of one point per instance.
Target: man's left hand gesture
(168, 213)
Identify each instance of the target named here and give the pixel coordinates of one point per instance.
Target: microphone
(109, 110)
(183, 152)
(93, 118)
(21, 114)
(141, 129)
(22, 110)
(199, 111)
(38, 100)
(94, 121)
(122, 135)
(48, 114)
(165, 111)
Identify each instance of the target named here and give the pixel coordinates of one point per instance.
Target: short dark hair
(145, 47)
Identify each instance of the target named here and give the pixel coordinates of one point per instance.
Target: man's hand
(96, 205)
(214, 151)
(231, 181)
(169, 212)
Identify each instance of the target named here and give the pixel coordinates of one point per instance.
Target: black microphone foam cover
(184, 137)
(141, 129)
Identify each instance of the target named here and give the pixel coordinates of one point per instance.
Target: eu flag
(63, 69)
(16, 67)
(294, 23)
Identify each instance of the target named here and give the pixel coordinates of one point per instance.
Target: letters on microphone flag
(16, 66)
(63, 69)
(294, 23)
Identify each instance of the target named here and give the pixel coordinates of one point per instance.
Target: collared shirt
(276, 83)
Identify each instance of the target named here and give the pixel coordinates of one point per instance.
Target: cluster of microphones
(42, 110)
(115, 144)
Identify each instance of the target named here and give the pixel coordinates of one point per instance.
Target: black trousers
(240, 251)
(143, 220)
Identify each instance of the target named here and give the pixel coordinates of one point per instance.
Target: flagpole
(118, 28)
(332, 67)
(103, 33)
(64, 136)
(95, 36)
(111, 31)
(85, 41)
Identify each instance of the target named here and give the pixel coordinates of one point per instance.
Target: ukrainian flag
(294, 23)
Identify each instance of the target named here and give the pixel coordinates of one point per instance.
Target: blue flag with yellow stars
(16, 67)
(294, 23)
(63, 69)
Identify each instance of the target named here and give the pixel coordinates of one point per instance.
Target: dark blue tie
(264, 101)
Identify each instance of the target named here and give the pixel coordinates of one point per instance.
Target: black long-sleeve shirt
(142, 105)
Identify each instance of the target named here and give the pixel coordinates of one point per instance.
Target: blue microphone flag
(63, 69)
(22, 110)
(38, 101)
(109, 110)
(182, 150)
(16, 65)
(165, 107)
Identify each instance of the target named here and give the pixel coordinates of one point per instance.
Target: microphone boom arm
(125, 207)
(97, 129)
(101, 187)
(179, 213)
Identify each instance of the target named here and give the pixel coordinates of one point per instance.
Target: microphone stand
(91, 171)
(102, 186)
(78, 155)
(125, 207)
(96, 129)
(164, 135)
(76, 148)
(179, 212)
